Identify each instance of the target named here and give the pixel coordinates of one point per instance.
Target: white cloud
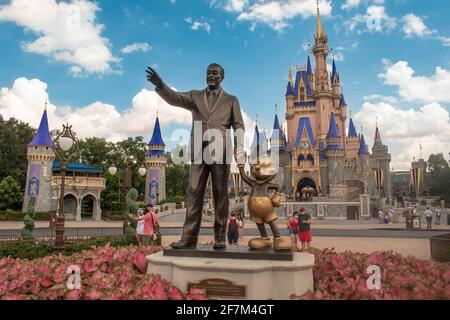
(197, 25)
(135, 47)
(377, 97)
(277, 14)
(414, 26)
(25, 101)
(235, 5)
(375, 20)
(404, 130)
(26, 98)
(65, 31)
(445, 41)
(417, 88)
(350, 4)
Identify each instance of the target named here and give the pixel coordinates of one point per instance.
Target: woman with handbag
(151, 226)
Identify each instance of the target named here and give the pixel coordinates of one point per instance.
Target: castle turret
(155, 162)
(335, 155)
(309, 72)
(335, 81)
(40, 157)
(352, 142)
(380, 162)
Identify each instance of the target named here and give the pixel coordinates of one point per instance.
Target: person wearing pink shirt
(151, 225)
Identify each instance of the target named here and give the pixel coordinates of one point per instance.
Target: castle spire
(156, 142)
(290, 72)
(351, 130)
(308, 67)
(362, 146)
(42, 137)
(319, 27)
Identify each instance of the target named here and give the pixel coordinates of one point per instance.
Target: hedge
(10, 215)
(28, 249)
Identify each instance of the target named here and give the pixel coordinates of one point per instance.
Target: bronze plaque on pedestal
(219, 288)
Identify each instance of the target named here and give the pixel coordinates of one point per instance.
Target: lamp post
(65, 147)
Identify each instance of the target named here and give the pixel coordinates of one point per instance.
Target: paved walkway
(407, 247)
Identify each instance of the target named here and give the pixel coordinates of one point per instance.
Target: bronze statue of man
(215, 109)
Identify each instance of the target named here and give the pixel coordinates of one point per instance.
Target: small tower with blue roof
(40, 157)
(335, 155)
(352, 142)
(156, 163)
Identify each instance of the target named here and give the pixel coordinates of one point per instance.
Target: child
(233, 230)
(304, 228)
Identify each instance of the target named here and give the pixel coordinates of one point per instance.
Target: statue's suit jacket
(222, 115)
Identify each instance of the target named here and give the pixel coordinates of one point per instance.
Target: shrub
(343, 276)
(106, 273)
(11, 215)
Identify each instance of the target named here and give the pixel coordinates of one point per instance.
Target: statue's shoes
(281, 244)
(182, 244)
(219, 245)
(260, 243)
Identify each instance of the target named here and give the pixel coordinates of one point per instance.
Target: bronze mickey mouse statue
(260, 204)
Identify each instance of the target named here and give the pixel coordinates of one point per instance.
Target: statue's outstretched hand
(153, 77)
(240, 157)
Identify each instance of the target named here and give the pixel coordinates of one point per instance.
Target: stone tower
(335, 155)
(363, 163)
(380, 173)
(40, 157)
(353, 141)
(155, 163)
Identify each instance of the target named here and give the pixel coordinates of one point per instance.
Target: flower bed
(106, 273)
(344, 276)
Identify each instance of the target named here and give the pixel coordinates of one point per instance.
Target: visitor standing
(438, 215)
(304, 228)
(151, 226)
(381, 216)
(429, 216)
(241, 225)
(292, 226)
(140, 229)
(233, 230)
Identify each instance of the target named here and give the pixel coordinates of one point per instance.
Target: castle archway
(88, 207)
(306, 189)
(70, 205)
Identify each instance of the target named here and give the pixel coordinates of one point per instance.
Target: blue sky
(104, 90)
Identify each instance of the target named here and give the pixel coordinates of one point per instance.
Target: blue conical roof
(156, 139)
(333, 131)
(289, 90)
(276, 123)
(342, 101)
(362, 146)
(351, 130)
(334, 73)
(308, 67)
(42, 137)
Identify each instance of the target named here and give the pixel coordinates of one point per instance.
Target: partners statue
(213, 111)
(261, 205)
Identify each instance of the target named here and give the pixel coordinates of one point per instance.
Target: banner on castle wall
(153, 186)
(34, 182)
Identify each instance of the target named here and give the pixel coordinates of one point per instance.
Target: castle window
(300, 159)
(310, 158)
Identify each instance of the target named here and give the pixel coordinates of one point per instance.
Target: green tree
(10, 194)
(439, 176)
(14, 137)
(177, 178)
(97, 152)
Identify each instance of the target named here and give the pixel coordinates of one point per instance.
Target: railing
(93, 182)
(440, 248)
(48, 234)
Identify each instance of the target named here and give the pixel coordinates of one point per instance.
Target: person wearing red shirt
(151, 224)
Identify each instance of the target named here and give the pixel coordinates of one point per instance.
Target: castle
(83, 183)
(325, 160)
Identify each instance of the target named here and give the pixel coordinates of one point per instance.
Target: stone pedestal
(244, 278)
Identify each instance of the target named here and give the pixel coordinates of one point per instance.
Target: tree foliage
(10, 194)
(177, 179)
(14, 137)
(439, 176)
